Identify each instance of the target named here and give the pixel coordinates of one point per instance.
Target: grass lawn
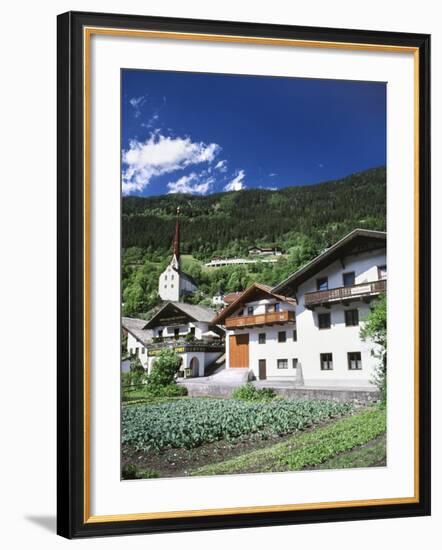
(328, 445)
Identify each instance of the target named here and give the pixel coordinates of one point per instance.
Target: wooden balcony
(345, 294)
(274, 318)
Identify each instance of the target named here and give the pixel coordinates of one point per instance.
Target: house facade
(260, 327)
(185, 328)
(316, 339)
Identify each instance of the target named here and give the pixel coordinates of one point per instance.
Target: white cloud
(221, 165)
(272, 175)
(237, 183)
(137, 103)
(160, 155)
(151, 122)
(191, 184)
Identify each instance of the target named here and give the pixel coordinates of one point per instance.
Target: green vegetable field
(189, 423)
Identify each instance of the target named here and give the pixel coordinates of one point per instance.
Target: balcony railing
(183, 345)
(274, 318)
(345, 294)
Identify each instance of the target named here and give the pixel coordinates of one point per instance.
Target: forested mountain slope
(302, 220)
(227, 223)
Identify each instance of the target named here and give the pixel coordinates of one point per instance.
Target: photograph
(253, 274)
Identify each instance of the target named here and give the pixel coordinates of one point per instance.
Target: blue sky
(202, 133)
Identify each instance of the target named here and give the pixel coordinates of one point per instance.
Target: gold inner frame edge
(87, 34)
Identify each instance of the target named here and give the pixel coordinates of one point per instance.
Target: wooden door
(239, 351)
(262, 369)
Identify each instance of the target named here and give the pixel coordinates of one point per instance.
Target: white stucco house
(185, 328)
(306, 328)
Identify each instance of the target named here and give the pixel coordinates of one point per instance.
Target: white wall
(28, 131)
(364, 265)
(339, 339)
(273, 350)
(136, 347)
(169, 285)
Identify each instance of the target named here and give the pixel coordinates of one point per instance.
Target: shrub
(248, 392)
(375, 330)
(130, 471)
(165, 368)
(172, 390)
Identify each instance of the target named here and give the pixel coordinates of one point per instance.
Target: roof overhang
(358, 241)
(254, 291)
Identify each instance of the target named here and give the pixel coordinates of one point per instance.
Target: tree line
(302, 220)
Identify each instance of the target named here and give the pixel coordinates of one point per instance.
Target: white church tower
(173, 283)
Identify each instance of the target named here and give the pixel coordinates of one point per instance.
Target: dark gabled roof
(194, 312)
(254, 289)
(136, 327)
(357, 241)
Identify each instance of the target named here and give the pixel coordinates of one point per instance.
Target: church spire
(176, 239)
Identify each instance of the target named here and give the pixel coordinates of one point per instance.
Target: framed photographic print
(232, 199)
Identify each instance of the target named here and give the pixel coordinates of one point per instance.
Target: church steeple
(176, 241)
(173, 284)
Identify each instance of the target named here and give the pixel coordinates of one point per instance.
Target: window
(282, 337)
(322, 283)
(295, 363)
(131, 351)
(165, 286)
(192, 331)
(250, 310)
(262, 338)
(324, 320)
(171, 286)
(277, 307)
(348, 279)
(326, 361)
(143, 350)
(283, 364)
(172, 277)
(351, 318)
(240, 313)
(160, 333)
(176, 333)
(354, 360)
(382, 272)
(165, 277)
(295, 335)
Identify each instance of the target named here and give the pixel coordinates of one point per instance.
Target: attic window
(322, 283)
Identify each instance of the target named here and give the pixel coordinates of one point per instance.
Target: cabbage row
(191, 422)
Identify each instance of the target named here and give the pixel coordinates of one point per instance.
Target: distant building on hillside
(173, 283)
(265, 251)
(221, 262)
(221, 299)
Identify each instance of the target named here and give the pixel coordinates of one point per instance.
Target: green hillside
(303, 220)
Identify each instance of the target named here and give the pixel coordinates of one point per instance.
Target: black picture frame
(72, 521)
